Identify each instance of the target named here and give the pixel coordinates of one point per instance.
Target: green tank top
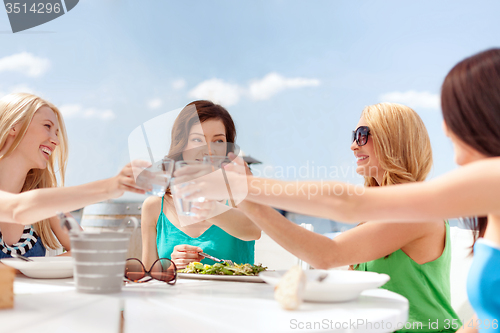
(213, 241)
(426, 286)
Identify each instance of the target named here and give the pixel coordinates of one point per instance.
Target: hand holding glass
(226, 179)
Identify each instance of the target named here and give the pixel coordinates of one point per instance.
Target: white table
(190, 306)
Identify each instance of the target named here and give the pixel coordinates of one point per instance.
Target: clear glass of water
(157, 177)
(219, 162)
(184, 206)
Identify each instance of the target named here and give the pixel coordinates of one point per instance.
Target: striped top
(28, 240)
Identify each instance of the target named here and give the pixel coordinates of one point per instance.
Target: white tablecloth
(190, 306)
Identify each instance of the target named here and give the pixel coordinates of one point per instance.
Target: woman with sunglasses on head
(32, 140)
(201, 129)
(470, 100)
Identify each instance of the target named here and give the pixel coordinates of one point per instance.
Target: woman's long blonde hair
(401, 143)
(19, 108)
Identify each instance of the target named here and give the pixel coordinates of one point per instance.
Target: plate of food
(332, 285)
(222, 272)
(43, 267)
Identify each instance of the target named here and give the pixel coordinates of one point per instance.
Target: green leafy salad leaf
(223, 269)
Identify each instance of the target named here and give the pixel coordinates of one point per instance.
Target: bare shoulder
(491, 161)
(151, 209)
(431, 229)
(412, 231)
(481, 179)
(152, 202)
(486, 167)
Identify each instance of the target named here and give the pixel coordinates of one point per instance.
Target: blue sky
(295, 75)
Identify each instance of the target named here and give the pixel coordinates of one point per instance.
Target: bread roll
(6, 287)
(289, 290)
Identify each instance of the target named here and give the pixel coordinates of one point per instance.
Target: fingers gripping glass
(360, 135)
(163, 269)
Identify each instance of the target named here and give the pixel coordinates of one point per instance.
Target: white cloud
(78, 111)
(179, 84)
(100, 114)
(25, 63)
(155, 103)
(274, 83)
(70, 110)
(414, 99)
(228, 94)
(217, 91)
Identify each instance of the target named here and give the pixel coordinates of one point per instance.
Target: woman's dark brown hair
(198, 112)
(470, 99)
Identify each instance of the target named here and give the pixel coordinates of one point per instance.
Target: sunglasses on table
(360, 135)
(162, 269)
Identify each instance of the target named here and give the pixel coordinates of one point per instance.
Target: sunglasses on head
(163, 269)
(360, 135)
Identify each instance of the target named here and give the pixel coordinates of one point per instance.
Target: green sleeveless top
(426, 286)
(213, 241)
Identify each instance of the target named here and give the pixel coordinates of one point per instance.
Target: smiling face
(367, 163)
(207, 138)
(40, 139)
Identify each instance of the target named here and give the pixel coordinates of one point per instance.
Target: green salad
(223, 269)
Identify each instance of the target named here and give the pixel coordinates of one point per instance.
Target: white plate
(43, 267)
(339, 286)
(237, 278)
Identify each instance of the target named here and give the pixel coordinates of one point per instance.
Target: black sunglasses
(360, 135)
(162, 269)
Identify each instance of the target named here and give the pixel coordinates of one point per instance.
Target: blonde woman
(391, 146)
(33, 144)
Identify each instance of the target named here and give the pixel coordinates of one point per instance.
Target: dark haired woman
(201, 128)
(470, 101)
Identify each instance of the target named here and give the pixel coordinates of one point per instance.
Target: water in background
(321, 226)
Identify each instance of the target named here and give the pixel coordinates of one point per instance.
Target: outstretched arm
(236, 223)
(364, 243)
(471, 190)
(35, 205)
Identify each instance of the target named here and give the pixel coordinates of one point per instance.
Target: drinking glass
(157, 177)
(219, 162)
(184, 206)
(100, 259)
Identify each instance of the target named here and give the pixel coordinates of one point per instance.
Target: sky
(295, 75)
